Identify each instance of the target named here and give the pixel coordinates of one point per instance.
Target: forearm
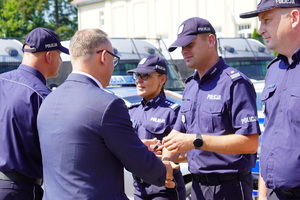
(262, 189)
(230, 144)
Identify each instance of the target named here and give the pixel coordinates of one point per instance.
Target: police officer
(280, 150)
(154, 118)
(22, 92)
(218, 115)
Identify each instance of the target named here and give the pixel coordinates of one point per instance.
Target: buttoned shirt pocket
(158, 130)
(211, 117)
(186, 112)
(266, 98)
(294, 105)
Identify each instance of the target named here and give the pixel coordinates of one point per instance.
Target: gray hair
(85, 42)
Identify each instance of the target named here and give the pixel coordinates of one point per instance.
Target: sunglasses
(116, 58)
(144, 77)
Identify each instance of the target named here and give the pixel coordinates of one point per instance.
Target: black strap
(18, 177)
(217, 179)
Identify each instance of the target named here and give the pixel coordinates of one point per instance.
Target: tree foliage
(19, 17)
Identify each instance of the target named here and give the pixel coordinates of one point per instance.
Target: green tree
(257, 36)
(19, 17)
(64, 18)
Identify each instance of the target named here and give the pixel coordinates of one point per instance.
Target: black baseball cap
(265, 5)
(150, 63)
(188, 31)
(43, 39)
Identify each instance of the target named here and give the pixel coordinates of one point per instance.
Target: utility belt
(18, 177)
(217, 179)
(139, 180)
(289, 194)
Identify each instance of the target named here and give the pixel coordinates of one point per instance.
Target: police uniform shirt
(155, 118)
(22, 92)
(280, 151)
(222, 102)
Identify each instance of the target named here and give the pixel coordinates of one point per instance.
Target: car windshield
(254, 69)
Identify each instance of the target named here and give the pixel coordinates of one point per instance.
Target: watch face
(198, 142)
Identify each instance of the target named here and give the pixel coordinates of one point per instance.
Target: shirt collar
(153, 101)
(295, 56)
(88, 75)
(33, 71)
(211, 72)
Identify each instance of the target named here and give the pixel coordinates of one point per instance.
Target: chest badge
(183, 118)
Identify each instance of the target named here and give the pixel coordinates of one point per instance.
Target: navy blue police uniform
(22, 92)
(222, 102)
(155, 119)
(280, 149)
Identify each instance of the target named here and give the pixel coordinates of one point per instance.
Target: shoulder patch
(171, 104)
(233, 73)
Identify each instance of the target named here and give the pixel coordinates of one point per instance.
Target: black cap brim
(254, 13)
(64, 50)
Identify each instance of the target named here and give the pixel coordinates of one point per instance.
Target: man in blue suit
(85, 132)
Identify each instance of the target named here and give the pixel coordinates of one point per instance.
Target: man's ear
(211, 40)
(103, 57)
(295, 16)
(48, 57)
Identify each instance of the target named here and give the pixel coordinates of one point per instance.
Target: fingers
(169, 176)
(170, 184)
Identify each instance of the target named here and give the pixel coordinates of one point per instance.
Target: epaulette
(233, 73)
(133, 105)
(273, 61)
(171, 104)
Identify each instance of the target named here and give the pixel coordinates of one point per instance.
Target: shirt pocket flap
(267, 93)
(155, 128)
(295, 92)
(213, 108)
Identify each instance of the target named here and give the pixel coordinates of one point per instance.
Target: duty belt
(289, 194)
(18, 177)
(217, 179)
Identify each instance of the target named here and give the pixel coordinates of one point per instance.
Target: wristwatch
(198, 142)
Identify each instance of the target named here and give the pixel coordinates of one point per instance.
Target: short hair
(85, 42)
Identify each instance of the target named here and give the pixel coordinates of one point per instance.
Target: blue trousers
(145, 191)
(20, 191)
(228, 190)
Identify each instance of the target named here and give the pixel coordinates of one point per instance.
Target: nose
(261, 30)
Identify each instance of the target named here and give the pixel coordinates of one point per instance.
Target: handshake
(156, 147)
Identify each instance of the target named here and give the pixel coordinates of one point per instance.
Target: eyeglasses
(144, 77)
(116, 58)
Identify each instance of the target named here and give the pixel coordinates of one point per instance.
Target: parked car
(11, 54)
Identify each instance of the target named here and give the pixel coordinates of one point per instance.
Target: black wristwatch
(198, 142)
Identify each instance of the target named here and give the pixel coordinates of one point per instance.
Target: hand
(177, 142)
(153, 145)
(169, 175)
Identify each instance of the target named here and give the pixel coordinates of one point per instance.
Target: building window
(244, 31)
(101, 19)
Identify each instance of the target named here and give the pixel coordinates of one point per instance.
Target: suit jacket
(86, 139)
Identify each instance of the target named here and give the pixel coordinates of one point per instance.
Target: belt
(18, 177)
(139, 180)
(217, 179)
(289, 194)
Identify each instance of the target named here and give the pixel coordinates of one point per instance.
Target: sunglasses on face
(116, 58)
(144, 77)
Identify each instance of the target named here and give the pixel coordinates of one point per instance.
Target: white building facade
(161, 18)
